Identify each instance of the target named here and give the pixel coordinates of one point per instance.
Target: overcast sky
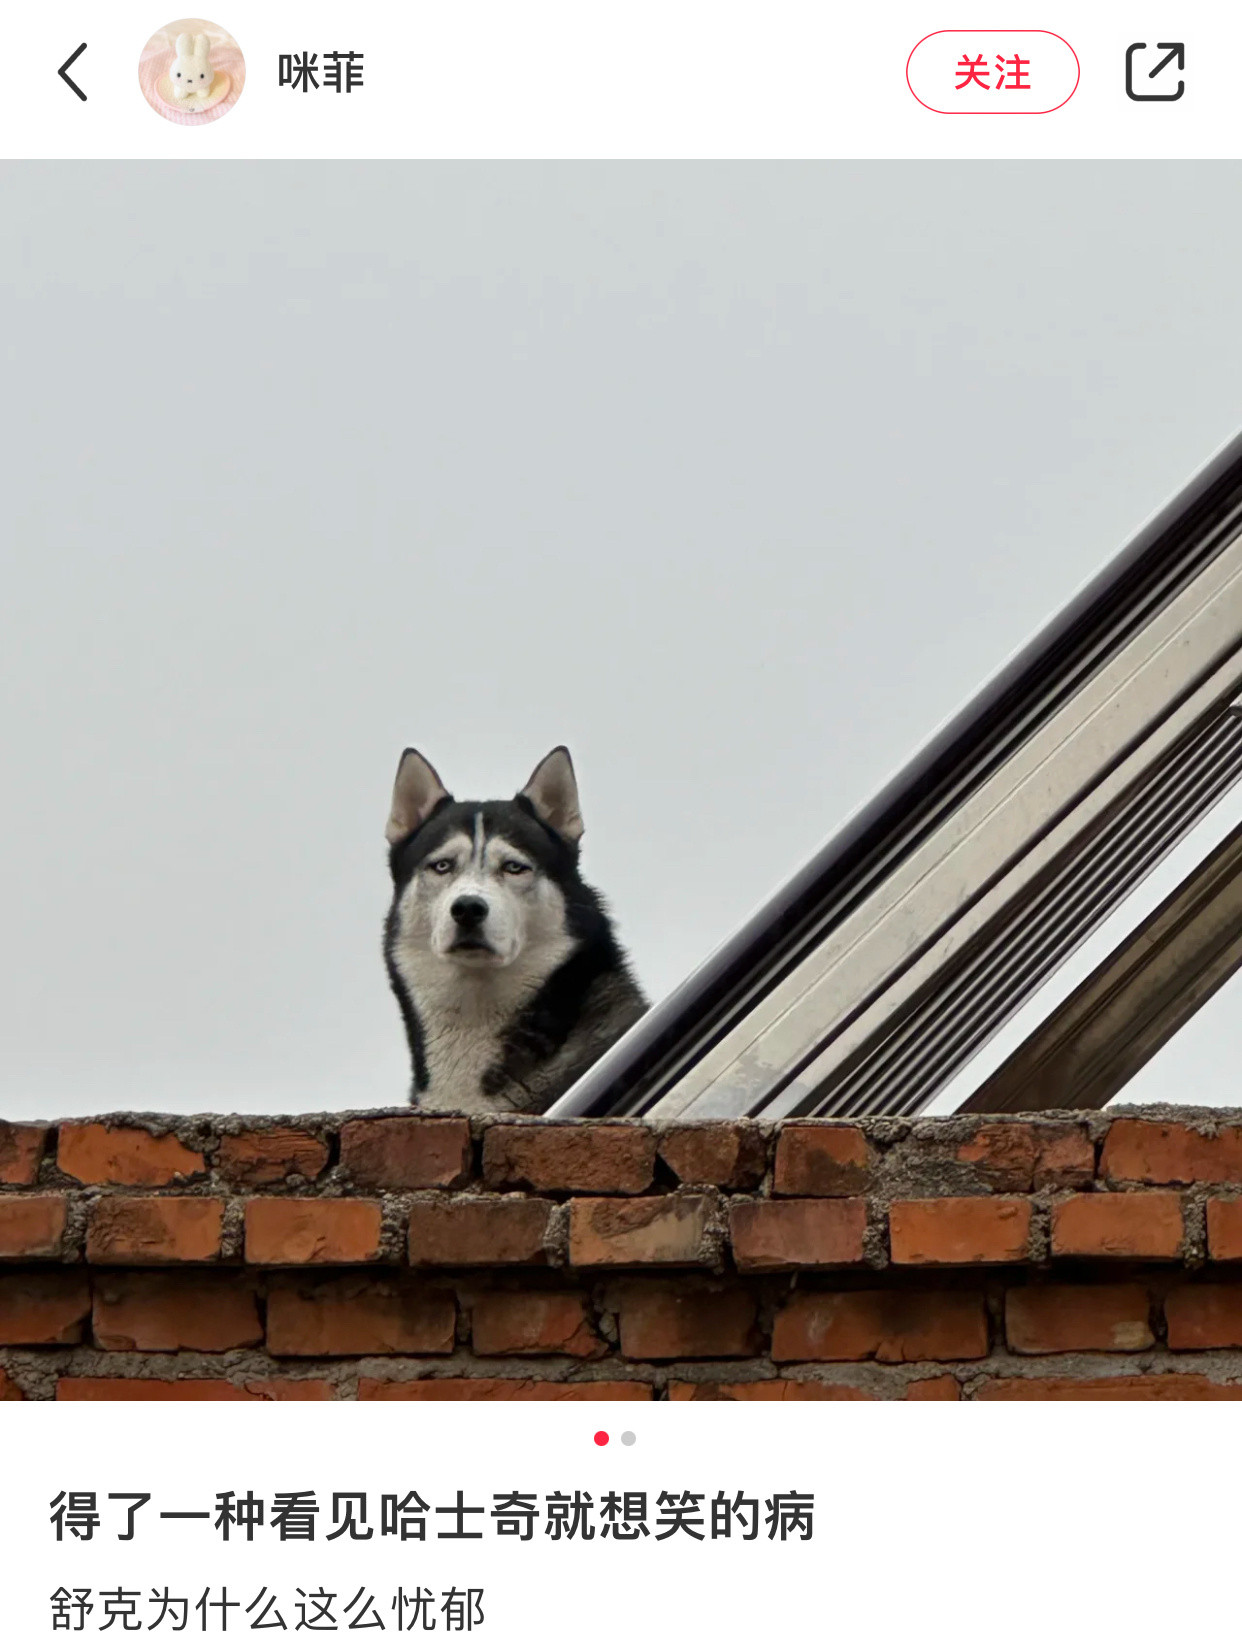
(738, 478)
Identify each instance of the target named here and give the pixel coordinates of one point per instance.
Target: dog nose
(469, 911)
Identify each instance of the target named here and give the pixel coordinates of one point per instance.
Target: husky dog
(503, 961)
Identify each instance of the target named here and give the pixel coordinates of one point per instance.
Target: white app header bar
(651, 79)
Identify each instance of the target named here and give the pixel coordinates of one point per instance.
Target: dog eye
(515, 868)
(442, 864)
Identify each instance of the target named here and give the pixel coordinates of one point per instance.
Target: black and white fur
(509, 977)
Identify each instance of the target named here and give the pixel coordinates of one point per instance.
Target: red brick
(673, 1322)
(179, 1229)
(31, 1226)
(10, 1392)
(297, 1232)
(468, 1232)
(342, 1316)
(1066, 1157)
(1131, 1225)
(257, 1158)
(1004, 1155)
(1224, 1229)
(570, 1157)
(670, 1230)
(1012, 1156)
(940, 1389)
(718, 1154)
(1152, 1387)
(21, 1151)
(125, 1156)
(822, 1158)
(131, 1389)
(168, 1312)
(1078, 1318)
(1142, 1150)
(534, 1321)
(490, 1388)
(893, 1326)
(769, 1236)
(959, 1232)
(44, 1309)
(407, 1153)
(290, 1389)
(1202, 1316)
(765, 1392)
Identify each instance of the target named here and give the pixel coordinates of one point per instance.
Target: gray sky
(738, 478)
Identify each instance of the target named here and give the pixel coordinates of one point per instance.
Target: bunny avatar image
(191, 71)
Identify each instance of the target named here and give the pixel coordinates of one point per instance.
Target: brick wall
(388, 1256)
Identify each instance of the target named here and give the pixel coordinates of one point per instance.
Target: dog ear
(415, 794)
(553, 791)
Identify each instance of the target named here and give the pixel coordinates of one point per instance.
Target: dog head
(483, 886)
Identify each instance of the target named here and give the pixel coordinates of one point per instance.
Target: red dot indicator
(601, 1437)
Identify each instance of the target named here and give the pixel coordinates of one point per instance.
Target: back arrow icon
(67, 65)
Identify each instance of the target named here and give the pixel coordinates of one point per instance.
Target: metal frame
(885, 963)
(1133, 1003)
